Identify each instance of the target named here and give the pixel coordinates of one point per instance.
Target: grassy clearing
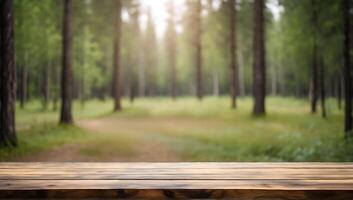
(41, 138)
(33, 113)
(103, 145)
(197, 131)
(38, 130)
(287, 133)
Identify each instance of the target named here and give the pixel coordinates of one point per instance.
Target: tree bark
(339, 92)
(171, 48)
(314, 82)
(314, 85)
(233, 56)
(7, 75)
(82, 82)
(45, 87)
(274, 80)
(347, 70)
(241, 69)
(322, 87)
(259, 67)
(141, 75)
(23, 87)
(198, 58)
(173, 72)
(116, 69)
(66, 79)
(81, 89)
(55, 86)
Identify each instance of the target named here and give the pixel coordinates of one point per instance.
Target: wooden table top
(215, 175)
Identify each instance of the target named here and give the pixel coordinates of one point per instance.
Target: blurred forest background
(167, 69)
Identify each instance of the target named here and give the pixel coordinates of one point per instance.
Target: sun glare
(159, 13)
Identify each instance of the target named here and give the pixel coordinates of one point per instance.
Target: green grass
(33, 112)
(38, 130)
(41, 138)
(197, 131)
(287, 133)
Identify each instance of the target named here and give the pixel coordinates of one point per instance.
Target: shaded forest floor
(159, 129)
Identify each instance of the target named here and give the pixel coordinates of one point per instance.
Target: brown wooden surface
(178, 180)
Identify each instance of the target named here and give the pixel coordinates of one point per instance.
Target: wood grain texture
(177, 180)
(178, 194)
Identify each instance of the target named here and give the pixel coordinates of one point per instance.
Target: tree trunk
(55, 86)
(171, 42)
(339, 92)
(259, 59)
(141, 75)
(314, 82)
(172, 61)
(82, 83)
(314, 71)
(274, 80)
(66, 79)
(215, 82)
(233, 56)
(198, 59)
(23, 86)
(241, 71)
(322, 87)
(173, 72)
(116, 69)
(7, 75)
(45, 87)
(82, 91)
(347, 70)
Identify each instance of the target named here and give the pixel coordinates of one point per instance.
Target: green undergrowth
(197, 131)
(40, 138)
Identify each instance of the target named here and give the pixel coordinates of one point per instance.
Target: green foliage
(144, 57)
(298, 32)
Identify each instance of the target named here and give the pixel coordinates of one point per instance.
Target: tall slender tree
(347, 69)
(45, 85)
(7, 75)
(314, 85)
(22, 75)
(233, 53)
(66, 75)
(116, 57)
(134, 56)
(198, 46)
(259, 67)
(171, 48)
(150, 55)
(322, 86)
(339, 91)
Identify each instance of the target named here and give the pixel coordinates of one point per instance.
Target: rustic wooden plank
(174, 171)
(169, 177)
(177, 180)
(178, 194)
(177, 184)
(212, 174)
(161, 177)
(152, 170)
(176, 165)
(45, 174)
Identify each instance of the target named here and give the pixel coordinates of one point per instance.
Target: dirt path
(112, 139)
